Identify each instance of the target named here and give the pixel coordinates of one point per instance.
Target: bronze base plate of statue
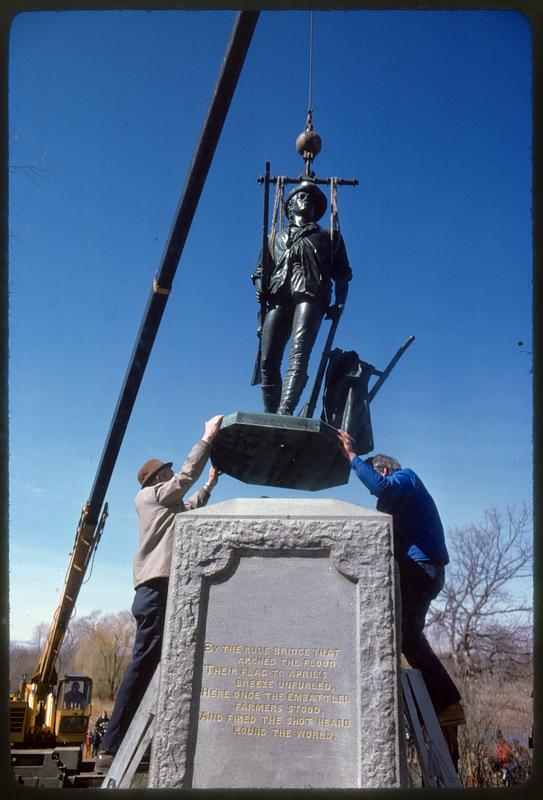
(280, 450)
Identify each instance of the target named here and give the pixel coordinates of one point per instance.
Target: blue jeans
(148, 608)
(419, 587)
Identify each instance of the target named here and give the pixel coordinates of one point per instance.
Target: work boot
(103, 761)
(271, 395)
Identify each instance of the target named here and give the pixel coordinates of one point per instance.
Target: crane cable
(334, 217)
(309, 108)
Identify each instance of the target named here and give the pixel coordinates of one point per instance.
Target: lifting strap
(278, 215)
(334, 216)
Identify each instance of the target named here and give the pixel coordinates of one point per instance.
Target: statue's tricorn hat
(318, 197)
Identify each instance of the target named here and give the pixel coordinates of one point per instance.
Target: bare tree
(39, 635)
(24, 659)
(476, 612)
(94, 645)
(507, 649)
(22, 662)
(105, 651)
(76, 634)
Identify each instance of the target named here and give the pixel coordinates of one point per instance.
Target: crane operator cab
(59, 716)
(74, 694)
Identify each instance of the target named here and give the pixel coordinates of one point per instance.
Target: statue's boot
(305, 327)
(271, 395)
(293, 386)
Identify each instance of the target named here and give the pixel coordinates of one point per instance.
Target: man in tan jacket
(161, 497)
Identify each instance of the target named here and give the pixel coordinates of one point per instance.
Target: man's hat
(148, 470)
(318, 197)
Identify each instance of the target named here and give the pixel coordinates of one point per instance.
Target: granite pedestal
(280, 664)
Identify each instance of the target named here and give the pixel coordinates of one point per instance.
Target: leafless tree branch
(486, 557)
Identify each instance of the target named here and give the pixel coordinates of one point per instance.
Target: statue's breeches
(299, 322)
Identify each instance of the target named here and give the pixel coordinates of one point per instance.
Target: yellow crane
(46, 711)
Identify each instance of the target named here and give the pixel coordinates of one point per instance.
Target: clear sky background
(430, 110)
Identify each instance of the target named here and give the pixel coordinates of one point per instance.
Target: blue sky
(430, 110)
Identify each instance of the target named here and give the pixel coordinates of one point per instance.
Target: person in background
(102, 723)
(503, 761)
(75, 698)
(96, 738)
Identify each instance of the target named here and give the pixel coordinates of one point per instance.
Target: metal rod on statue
(318, 181)
(265, 280)
(388, 369)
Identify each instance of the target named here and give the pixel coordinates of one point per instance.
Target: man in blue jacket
(421, 553)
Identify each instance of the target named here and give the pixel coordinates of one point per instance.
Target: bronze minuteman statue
(305, 260)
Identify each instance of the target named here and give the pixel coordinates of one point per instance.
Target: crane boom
(86, 540)
(92, 517)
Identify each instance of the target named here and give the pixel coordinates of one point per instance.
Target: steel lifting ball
(308, 142)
